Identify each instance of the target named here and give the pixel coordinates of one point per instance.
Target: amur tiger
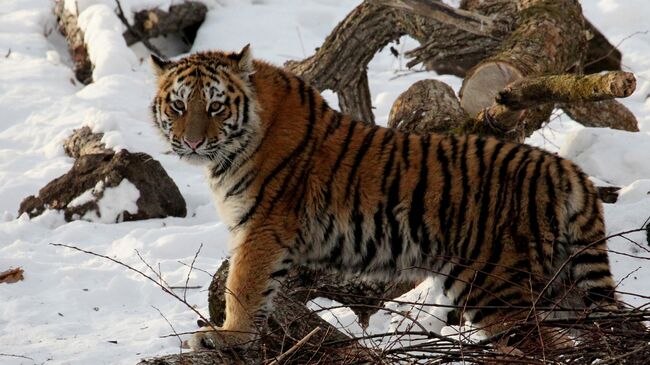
(505, 226)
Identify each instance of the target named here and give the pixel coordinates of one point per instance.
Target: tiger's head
(205, 106)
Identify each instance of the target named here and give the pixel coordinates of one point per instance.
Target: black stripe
(357, 218)
(279, 273)
(245, 116)
(483, 193)
(487, 268)
(339, 159)
(328, 230)
(323, 108)
(587, 258)
(594, 275)
(372, 245)
(337, 249)
(417, 211)
(371, 252)
(388, 167)
(242, 184)
(361, 152)
(521, 177)
(405, 150)
(391, 204)
(479, 144)
(453, 142)
(498, 287)
(334, 124)
(445, 196)
(301, 90)
(599, 295)
(465, 191)
(533, 222)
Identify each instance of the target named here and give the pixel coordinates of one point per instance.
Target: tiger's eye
(179, 105)
(216, 107)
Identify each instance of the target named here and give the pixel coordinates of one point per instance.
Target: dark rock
(94, 174)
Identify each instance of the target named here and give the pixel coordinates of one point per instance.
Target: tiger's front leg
(257, 266)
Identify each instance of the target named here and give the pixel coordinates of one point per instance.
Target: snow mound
(616, 157)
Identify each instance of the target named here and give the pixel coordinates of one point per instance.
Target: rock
(110, 187)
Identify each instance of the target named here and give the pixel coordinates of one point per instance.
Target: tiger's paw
(216, 338)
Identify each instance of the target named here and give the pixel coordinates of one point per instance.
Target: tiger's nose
(193, 143)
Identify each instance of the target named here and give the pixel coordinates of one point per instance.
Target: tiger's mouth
(195, 157)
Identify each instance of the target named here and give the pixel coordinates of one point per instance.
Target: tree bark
(83, 141)
(601, 55)
(340, 63)
(184, 18)
(82, 67)
(602, 114)
(566, 89)
(428, 106)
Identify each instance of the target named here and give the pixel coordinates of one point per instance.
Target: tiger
(506, 227)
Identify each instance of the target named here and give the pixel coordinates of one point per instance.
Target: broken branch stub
(566, 88)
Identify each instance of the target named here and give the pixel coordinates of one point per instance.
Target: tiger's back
(305, 184)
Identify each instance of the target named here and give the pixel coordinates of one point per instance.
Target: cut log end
(482, 85)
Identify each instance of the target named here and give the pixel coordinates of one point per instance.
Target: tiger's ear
(159, 64)
(245, 61)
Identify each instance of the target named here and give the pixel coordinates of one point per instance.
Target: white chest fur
(229, 208)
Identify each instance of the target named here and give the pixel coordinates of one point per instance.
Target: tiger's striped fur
(299, 183)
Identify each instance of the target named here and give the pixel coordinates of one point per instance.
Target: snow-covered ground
(73, 308)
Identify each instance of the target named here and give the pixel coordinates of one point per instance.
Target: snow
(72, 307)
(112, 202)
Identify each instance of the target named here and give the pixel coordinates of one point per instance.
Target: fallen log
(184, 19)
(82, 67)
(553, 29)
